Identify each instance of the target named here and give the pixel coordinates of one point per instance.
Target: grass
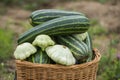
(109, 66)
(6, 52)
(6, 43)
(103, 1)
(5, 75)
(26, 4)
(96, 28)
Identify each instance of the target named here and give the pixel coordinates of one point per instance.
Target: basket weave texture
(33, 71)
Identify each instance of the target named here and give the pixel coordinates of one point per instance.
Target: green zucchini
(78, 48)
(58, 26)
(39, 16)
(40, 57)
(88, 41)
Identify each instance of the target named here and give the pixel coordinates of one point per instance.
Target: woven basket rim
(83, 65)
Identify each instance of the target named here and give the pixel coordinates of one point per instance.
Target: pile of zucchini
(57, 36)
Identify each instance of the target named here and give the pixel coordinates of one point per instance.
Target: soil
(13, 19)
(106, 14)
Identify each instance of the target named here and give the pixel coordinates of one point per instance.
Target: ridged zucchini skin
(88, 41)
(39, 16)
(40, 57)
(78, 48)
(57, 26)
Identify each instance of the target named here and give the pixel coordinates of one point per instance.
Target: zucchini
(78, 48)
(58, 26)
(39, 16)
(40, 57)
(88, 41)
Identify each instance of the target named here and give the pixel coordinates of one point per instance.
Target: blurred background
(105, 30)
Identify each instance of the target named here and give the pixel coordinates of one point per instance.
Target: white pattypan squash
(81, 36)
(24, 50)
(43, 41)
(60, 54)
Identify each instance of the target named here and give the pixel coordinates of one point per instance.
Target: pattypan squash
(43, 41)
(60, 54)
(81, 36)
(24, 50)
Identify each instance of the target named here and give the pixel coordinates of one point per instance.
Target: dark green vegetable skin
(59, 26)
(40, 57)
(88, 41)
(82, 50)
(78, 48)
(40, 16)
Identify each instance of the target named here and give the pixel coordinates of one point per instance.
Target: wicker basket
(32, 71)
